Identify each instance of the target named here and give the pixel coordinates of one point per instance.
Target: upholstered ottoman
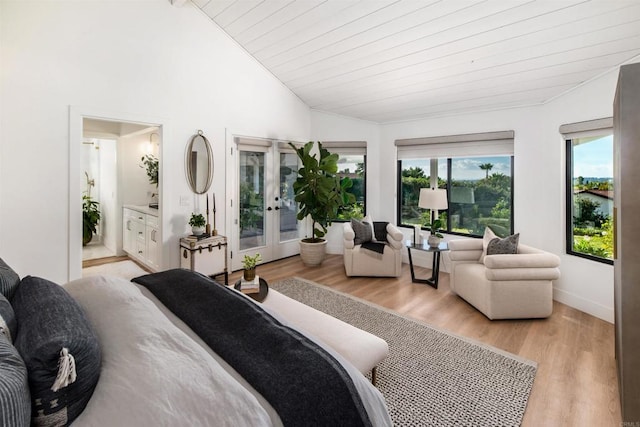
(363, 349)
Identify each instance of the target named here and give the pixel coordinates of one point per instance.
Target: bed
(153, 369)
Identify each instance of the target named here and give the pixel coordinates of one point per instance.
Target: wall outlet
(184, 201)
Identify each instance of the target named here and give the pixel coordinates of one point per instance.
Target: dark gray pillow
(7, 319)
(15, 402)
(362, 231)
(508, 245)
(380, 231)
(9, 280)
(52, 328)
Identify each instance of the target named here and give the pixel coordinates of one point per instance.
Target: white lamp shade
(433, 198)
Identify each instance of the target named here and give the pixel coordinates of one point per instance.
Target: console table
(435, 267)
(207, 256)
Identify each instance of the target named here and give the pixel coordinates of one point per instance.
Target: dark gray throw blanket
(374, 246)
(303, 383)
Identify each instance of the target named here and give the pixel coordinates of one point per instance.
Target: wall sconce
(150, 146)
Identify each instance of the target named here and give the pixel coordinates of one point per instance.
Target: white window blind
(466, 145)
(346, 147)
(253, 144)
(586, 129)
(284, 147)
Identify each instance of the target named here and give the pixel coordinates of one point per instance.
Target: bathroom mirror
(199, 163)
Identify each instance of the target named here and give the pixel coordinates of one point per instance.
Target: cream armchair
(504, 286)
(363, 262)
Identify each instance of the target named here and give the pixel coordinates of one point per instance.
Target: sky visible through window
(594, 159)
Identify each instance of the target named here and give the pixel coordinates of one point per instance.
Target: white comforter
(156, 371)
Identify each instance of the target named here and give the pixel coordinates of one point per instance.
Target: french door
(265, 213)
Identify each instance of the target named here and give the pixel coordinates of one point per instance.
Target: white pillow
(488, 236)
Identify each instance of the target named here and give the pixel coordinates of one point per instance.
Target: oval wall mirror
(199, 163)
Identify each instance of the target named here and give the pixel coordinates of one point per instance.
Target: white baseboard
(593, 308)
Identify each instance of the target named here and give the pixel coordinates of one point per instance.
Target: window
(414, 175)
(479, 191)
(590, 196)
(480, 195)
(476, 170)
(352, 163)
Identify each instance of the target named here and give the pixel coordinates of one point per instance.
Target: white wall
(137, 57)
(539, 177)
(134, 186)
(108, 195)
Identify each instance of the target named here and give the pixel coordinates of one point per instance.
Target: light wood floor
(576, 381)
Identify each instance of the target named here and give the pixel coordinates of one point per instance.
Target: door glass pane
(288, 207)
(252, 230)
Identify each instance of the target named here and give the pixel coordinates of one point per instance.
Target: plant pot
(434, 241)
(312, 254)
(197, 230)
(249, 274)
(86, 237)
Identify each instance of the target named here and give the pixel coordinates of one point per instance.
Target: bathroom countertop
(143, 209)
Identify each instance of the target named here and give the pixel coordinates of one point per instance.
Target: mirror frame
(190, 177)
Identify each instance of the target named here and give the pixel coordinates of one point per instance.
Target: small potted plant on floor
(197, 223)
(249, 263)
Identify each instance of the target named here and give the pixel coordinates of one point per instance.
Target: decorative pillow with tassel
(60, 349)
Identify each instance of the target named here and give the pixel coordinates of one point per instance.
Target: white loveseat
(510, 286)
(364, 262)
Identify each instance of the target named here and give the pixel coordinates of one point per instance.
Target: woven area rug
(431, 377)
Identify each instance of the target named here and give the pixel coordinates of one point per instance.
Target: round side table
(258, 296)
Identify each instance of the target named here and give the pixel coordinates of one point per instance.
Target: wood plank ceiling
(393, 60)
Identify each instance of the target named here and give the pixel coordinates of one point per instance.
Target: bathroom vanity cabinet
(140, 236)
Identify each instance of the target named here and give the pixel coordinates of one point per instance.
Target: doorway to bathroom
(119, 168)
(99, 197)
(109, 168)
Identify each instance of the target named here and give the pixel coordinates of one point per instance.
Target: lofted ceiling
(393, 60)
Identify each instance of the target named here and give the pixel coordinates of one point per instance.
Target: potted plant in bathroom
(197, 223)
(319, 192)
(150, 163)
(249, 263)
(90, 218)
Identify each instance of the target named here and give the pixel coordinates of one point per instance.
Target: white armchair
(363, 262)
(511, 286)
